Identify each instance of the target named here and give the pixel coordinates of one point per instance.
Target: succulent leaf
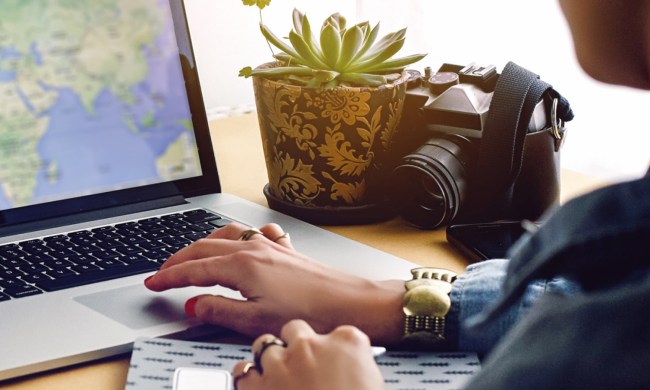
(310, 39)
(275, 41)
(372, 80)
(305, 51)
(379, 57)
(395, 64)
(297, 20)
(336, 20)
(352, 40)
(283, 71)
(369, 40)
(330, 43)
(382, 44)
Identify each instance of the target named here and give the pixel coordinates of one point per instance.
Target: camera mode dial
(441, 81)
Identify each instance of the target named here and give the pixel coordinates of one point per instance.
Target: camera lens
(428, 187)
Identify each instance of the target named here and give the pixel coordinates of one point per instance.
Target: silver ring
(248, 234)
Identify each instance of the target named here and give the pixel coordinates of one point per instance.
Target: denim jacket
(571, 309)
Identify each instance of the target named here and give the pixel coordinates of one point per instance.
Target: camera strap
(500, 158)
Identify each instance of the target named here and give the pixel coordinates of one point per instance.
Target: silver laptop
(104, 150)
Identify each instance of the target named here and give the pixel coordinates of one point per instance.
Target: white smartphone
(195, 378)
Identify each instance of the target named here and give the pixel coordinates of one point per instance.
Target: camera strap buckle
(557, 127)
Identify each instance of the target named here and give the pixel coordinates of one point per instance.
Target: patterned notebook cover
(154, 361)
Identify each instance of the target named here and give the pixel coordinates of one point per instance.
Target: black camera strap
(499, 163)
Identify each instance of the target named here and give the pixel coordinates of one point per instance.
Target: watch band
(426, 303)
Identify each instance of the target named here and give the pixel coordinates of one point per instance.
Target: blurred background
(609, 137)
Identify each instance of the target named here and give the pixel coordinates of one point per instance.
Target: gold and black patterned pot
(327, 150)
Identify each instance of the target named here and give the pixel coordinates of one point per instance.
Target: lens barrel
(428, 187)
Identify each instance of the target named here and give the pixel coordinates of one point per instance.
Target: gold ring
(281, 236)
(269, 341)
(247, 367)
(247, 234)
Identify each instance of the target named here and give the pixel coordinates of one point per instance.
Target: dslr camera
(434, 180)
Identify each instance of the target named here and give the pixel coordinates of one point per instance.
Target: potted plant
(329, 107)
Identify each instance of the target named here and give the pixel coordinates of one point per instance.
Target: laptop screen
(97, 97)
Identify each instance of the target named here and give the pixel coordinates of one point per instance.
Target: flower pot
(327, 150)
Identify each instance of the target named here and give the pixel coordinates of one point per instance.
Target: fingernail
(148, 278)
(190, 306)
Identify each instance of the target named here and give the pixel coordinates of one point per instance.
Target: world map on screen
(92, 99)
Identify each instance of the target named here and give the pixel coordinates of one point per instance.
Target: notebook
(103, 134)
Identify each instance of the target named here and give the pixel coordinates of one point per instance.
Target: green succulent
(348, 56)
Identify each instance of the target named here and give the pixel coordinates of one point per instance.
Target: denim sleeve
(479, 286)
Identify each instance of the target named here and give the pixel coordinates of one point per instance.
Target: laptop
(104, 145)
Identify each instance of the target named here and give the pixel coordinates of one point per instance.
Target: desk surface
(237, 143)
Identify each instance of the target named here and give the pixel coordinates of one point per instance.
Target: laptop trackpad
(138, 308)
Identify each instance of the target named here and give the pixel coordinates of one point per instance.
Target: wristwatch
(426, 303)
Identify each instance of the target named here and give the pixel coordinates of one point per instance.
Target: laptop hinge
(92, 215)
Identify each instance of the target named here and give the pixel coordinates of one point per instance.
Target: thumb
(229, 313)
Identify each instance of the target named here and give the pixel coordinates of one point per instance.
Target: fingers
(232, 231)
(245, 376)
(227, 240)
(267, 347)
(202, 273)
(247, 317)
(296, 330)
(275, 233)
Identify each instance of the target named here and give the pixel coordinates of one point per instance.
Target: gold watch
(426, 303)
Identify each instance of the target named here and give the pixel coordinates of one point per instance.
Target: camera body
(440, 133)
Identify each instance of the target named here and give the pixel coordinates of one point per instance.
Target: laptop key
(62, 253)
(195, 236)
(59, 273)
(176, 241)
(9, 283)
(36, 277)
(33, 268)
(10, 273)
(22, 291)
(83, 268)
(195, 216)
(152, 245)
(109, 263)
(133, 258)
(57, 264)
(82, 259)
(36, 249)
(12, 253)
(13, 262)
(97, 276)
(201, 227)
(4, 297)
(219, 223)
(109, 244)
(83, 240)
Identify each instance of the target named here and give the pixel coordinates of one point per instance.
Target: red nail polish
(190, 307)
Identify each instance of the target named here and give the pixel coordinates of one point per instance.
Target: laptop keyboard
(108, 252)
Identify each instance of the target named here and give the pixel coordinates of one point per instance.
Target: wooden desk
(237, 144)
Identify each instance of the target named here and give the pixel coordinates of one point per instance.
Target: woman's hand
(279, 285)
(341, 359)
